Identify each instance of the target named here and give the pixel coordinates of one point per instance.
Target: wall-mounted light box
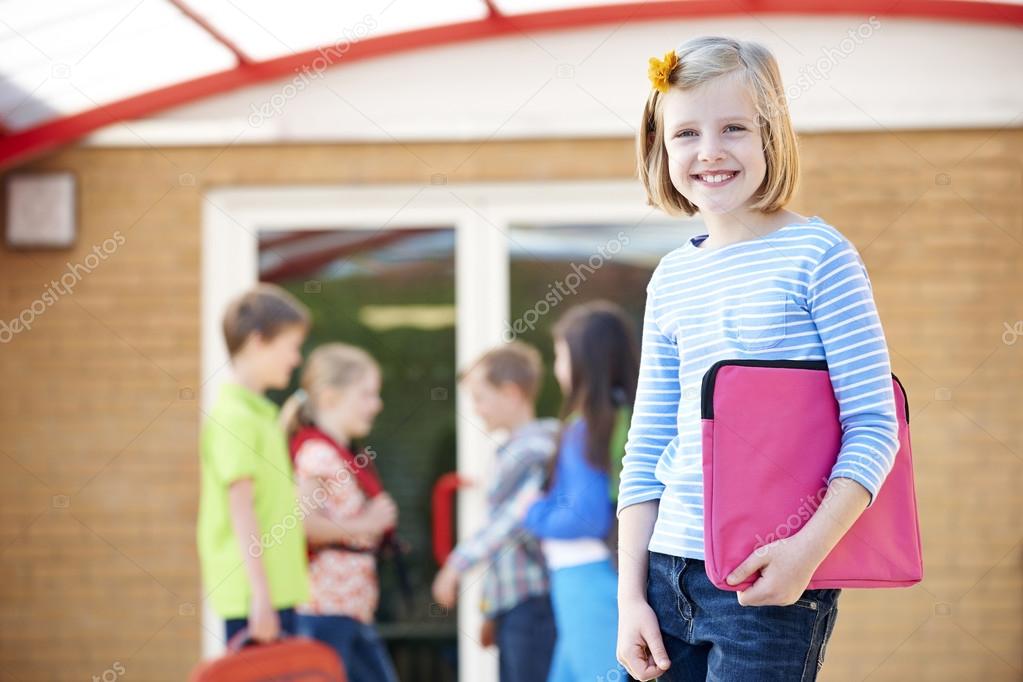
(41, 210)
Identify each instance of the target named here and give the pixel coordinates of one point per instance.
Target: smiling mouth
(715, 179)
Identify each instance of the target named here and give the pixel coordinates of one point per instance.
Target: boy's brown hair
(515, 362)
(267, 310)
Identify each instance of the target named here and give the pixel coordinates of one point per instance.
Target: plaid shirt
(515, 569)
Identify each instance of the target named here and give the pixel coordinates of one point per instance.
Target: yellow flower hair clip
(660, 70)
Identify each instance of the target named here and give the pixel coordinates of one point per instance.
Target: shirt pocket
(761, 319)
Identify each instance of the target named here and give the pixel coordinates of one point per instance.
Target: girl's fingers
(643, 664)
(753, 563)
(751, 596)
(643, 670)
(632, 659)
(655, 645)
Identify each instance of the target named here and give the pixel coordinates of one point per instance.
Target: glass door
(426, 279)
(391, 293)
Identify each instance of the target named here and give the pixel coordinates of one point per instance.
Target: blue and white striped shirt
(798, 293)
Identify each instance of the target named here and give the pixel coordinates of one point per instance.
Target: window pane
(555, 267)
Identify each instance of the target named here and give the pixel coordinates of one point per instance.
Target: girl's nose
(711, 149)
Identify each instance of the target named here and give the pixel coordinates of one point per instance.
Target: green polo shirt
(241, 439)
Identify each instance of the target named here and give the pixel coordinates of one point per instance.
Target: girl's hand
(382, 513)
(785, 566)
(640, 646)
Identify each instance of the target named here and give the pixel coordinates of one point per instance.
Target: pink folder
(771, 435)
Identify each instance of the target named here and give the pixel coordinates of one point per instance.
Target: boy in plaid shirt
(504, 384)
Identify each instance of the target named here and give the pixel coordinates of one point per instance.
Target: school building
(420, 175)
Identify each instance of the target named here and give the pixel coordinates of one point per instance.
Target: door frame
(481, 215)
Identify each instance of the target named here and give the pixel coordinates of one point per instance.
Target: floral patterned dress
(343, 583)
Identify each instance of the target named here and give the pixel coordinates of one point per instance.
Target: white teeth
(716, 178)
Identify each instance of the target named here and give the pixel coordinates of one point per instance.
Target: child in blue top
(766, 283)
(596, 364)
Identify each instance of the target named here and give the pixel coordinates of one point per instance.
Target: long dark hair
(604, 355)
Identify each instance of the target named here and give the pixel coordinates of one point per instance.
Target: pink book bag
(771, 435)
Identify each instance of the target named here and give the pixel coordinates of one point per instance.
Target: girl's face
(353, 408)
(277, 358)
(563, 366)
(711, 131)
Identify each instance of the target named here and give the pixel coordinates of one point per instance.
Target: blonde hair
(332, 365)
(699, 61)
(266, 310)
(514, 362)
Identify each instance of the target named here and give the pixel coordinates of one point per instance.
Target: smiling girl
(350, 513)
(764, 283)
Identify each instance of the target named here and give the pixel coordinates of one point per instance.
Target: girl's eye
(691, 133)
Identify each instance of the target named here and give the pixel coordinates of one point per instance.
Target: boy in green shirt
(250, 533)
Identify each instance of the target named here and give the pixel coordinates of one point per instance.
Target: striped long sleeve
(842, 307)
(654, 415)
(798, 293)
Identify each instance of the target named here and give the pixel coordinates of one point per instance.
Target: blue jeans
(286, 616)
(710, 636)
(525, 640)
(585, 600)
(361, 650)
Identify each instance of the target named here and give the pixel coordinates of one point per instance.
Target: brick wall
(98, 575)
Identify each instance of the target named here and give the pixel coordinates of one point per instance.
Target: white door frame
(481, 215)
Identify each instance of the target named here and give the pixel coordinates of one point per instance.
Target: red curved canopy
(66, 68)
